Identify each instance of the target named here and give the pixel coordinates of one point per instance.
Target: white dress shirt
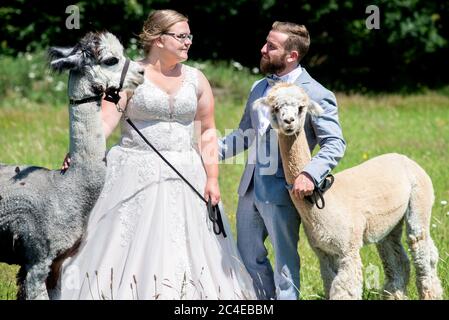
(264, 112)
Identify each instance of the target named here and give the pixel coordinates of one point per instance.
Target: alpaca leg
(396, 264)
(425, 257)
(424, 252)
(436, 283)
(35, 281)
(348, 283)
(21, 280)
(328, 270)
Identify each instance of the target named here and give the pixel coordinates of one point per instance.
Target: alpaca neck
(295, 154)
(80, 86)
(87, 139)
(86, 175)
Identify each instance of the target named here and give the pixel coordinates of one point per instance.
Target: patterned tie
(273, 79)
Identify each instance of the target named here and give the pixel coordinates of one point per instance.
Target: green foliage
(403, 54)
(28, 78)
(228, 78)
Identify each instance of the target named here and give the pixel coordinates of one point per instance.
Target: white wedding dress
(149, 236)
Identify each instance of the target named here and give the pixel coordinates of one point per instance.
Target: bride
(149, 236)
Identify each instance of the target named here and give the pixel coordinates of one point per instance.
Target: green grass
(34, 130)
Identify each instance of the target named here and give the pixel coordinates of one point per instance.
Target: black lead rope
(318, 193)
(213, 211)
(85, 100)
(112, 95)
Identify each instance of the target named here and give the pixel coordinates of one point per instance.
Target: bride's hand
(66, 163)
(212, 190)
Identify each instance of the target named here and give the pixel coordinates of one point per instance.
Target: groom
(264, 207)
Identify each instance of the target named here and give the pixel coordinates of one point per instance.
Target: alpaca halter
(86, 100)
(111, 93)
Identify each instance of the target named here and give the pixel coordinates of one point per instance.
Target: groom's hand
(303, 186)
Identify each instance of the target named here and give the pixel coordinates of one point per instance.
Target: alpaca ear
(68, 63)
(261, 102)
(59, 52)
(315, 109)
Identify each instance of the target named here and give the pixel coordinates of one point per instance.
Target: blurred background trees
(408, 52)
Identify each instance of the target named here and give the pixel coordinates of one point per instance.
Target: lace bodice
(154, 232)
(165, 120)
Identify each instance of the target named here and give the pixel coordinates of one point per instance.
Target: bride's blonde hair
(158, 22)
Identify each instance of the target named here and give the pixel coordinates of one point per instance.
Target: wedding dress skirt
(149, 236)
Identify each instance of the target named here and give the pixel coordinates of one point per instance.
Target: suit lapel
(256, 94)
(303, 80)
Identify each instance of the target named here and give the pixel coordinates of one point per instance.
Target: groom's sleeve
(329, 137)
(238, 140)
(242, 138)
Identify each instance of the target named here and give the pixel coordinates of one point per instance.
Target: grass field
(34, 130)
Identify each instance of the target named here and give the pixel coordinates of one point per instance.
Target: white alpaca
(366, 204)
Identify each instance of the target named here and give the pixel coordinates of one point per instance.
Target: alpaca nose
(289, 120)
(141, 72)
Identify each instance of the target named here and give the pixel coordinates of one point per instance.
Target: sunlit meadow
(34, 130)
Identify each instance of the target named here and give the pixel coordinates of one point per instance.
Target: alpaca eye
(110, 61)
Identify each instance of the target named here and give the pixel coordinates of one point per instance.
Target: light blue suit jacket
(325, 130)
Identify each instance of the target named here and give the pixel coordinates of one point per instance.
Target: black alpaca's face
(111, 61)
(99, 57)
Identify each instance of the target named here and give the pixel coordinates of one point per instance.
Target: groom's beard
(273, 66)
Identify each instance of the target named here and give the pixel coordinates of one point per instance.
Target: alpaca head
(95, 64)
(289, 105)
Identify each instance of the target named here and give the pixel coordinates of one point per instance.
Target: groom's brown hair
(298, 36)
